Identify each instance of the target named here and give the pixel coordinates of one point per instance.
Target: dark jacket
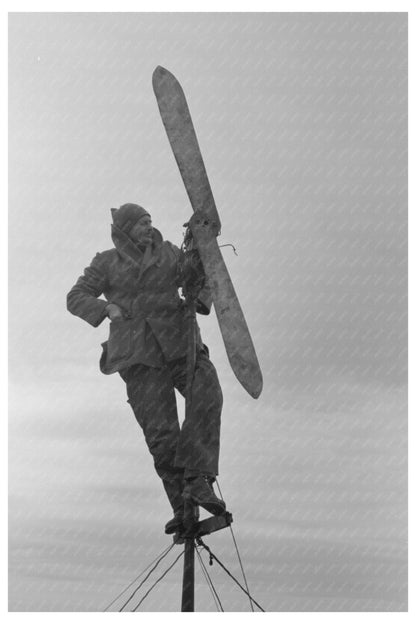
(145, 286)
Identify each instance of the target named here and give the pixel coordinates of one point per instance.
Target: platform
(204, 527)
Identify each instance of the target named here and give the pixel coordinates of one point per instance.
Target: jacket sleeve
(82, 299)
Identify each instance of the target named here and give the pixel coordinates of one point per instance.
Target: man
(147, 346)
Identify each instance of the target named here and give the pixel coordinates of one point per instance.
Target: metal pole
(191, 354)
(191, 512)
(188, 585)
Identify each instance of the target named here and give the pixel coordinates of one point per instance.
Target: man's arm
(204, 299)
(83, 298)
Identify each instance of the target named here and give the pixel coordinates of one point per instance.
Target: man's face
(142, 231)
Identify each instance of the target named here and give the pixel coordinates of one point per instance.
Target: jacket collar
(128, 250)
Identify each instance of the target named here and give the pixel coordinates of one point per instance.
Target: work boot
(200, 490)
(175, 525)
(174, 491)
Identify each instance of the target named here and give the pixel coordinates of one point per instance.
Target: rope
(238, 555)
(209, 582)
(212, 556)
(137, 577)
(147, 576)
(159, 579)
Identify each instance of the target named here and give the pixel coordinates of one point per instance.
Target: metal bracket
(204, 527)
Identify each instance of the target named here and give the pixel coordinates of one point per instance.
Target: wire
(137, 577)
(238, 554)
(147, 576)
(212, 556)
(229, 245)
(159, 579)
(205, 572)
(209, 582)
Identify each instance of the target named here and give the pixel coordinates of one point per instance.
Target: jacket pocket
(120, 341)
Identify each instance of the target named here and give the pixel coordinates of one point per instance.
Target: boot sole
(174, 528)
(216, 509)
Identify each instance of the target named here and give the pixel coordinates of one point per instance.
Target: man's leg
(152, 397)
(199, 440)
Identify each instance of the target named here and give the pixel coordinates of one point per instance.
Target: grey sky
(302, 121)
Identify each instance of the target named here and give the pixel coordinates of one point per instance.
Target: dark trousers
(194, 448)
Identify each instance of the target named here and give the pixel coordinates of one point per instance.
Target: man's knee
(167, 471)
(206, 383)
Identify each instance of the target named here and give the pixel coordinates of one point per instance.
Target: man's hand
(114, 312)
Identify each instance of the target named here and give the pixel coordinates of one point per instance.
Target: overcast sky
(302, 121)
